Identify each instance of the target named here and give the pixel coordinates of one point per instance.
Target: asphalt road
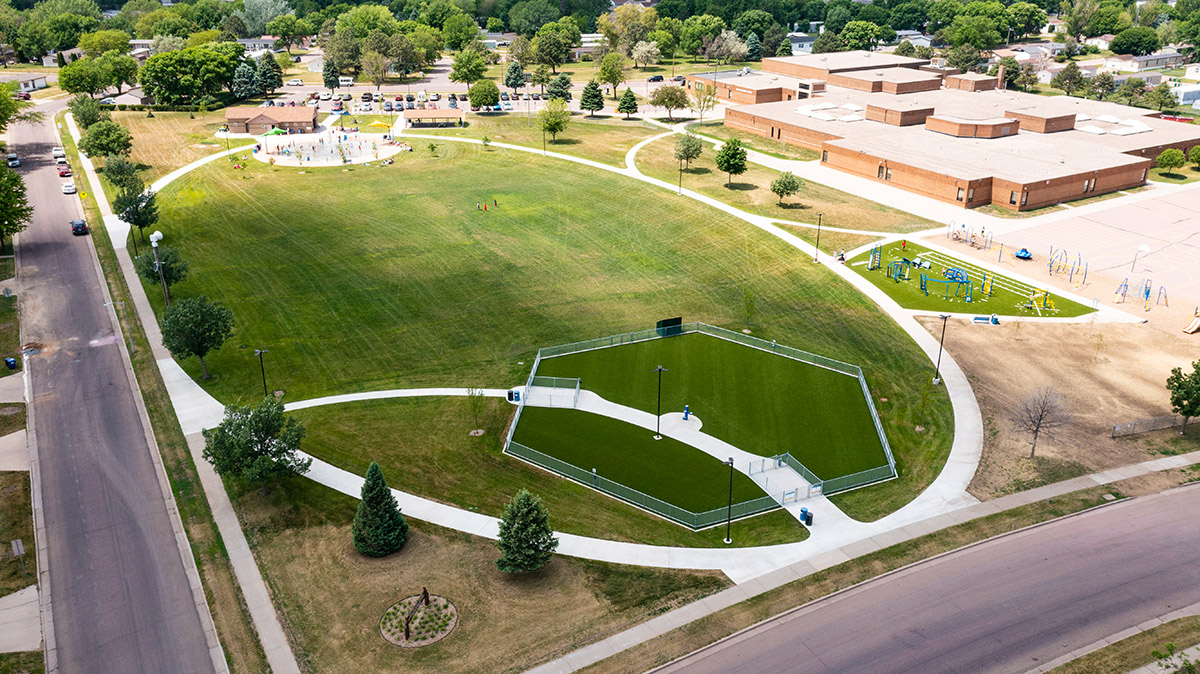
(1005, 606)
(121, 600)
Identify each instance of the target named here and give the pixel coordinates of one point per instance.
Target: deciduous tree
(731, 159)
(688, 148)
(484, 93)
(468, 67)
(554, 117)
(258, 444)
(645, 52)
(194, 326)
(106, 137)
(172, 265)
(786, 185)
(15, 211)
(1042, 412)
(612, 71)
(670, 97)
(1185, 392)
(526, 540)
(86, 111)
(1170, 159)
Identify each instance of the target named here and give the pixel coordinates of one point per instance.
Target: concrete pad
(14, 452)
(12, 388)
(20, 621)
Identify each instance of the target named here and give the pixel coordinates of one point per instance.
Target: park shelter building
(256, 121)
(957, 138)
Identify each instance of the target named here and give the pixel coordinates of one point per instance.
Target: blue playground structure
(1023, 254)
(1061, 263)
(954, 276)
(900, 271)
(876, 259)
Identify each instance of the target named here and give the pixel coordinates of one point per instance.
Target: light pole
(1141, 249)
(658, 417)
(729, 513)
(937, 369)
(680, 177)
(817, 254)
(154, 239)
(543, 140)
(262, 369)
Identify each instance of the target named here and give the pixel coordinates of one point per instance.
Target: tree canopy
(194, 326)
(256, 444)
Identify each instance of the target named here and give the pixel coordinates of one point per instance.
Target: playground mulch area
(1108, 373)
(757, 401)
(955, 285)
(629, 455)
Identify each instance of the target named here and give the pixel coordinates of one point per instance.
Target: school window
(824, 156)
(960, 194)
(1024, 198)
(880, 174)
(1085, 186)
(1143, 174)
(1012, 198)
(971, 195)
(887, 175)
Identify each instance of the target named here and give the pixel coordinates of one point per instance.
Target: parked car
(453, 105)
(325, 95)
(410, 105)
(21, 95)
(410, 98)
(68, 187)
(79, 227)
(387, 106)
(654, 78)
(366, 96)
(347, 97)
(60, 162)
(57, 152)
(108, 101)
(526, 96)
(474, 108)
(506, 105)
(504, 95)
(312, 95)
(294, 82)
(678, 78)
(435, 97)
(399, 97)
(13, 161)
(337, 105)
(536, 97)
(64, 171)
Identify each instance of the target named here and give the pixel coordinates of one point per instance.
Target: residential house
(1128, 63)
(26, 82)
(916, 37)
(1187, 94)
(589, 43)
(258, 44)
(257, 121)
(1100, 41)
(801, 42)
(51, 60)
(1192, 73)
(1052, 26)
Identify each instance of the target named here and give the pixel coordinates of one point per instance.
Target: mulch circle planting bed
(430, 623)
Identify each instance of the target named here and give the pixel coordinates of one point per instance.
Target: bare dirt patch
(1109, 374)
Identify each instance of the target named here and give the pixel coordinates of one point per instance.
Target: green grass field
(756, 401)
(753, 141)
(366, 278)
(665, 469)
(1004, 301)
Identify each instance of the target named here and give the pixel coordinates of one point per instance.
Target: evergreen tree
(731, 159)
(270, 76)
(753, 47)
(526, 540)
(827, 42)
(245, 81)
(592, 98)
(906, 48)
(785, 48)
(559, 87)
(329, 74)
(379, 529)
(514, 77)
(628, 104)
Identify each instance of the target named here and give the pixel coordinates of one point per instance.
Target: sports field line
(1001, 281)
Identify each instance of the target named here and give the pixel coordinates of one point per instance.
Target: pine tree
(592, 98)
(379, 529)
(245, 81)
(329, 74)
(526, 540)
(753, 47)
(628, 104)
(785, 48)
(270, 76)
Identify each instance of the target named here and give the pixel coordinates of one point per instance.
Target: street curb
(186, 558)
(895, 571)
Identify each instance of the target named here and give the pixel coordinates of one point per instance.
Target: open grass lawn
(1135, 651)
(756, 401)
(1187, 174)
(1008, 297)
(10, 333)
(331, 598)
(751, 192)
(16, 521)
(831, 241)
(169, 140)
(368, 278)
(629, 455)
(753, 141)
(602, 138)
(999, 212)
(8, 267)
(29, 662)
(423, 447)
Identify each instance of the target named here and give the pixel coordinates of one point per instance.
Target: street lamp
(680, 177)
(263, 369)
(543, 140)
(154, 239)
(658, 418)
(729, 513)
(937, 369)
(817, 254)
(1141, 249)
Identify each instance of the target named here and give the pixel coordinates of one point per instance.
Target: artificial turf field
(665, 469)
(757, 401)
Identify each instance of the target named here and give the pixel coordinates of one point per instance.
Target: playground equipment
(1144, 293)
(988, 279)
(900, 271)
(986, 320)
(1162, 296)
(1122, 290)
(1023, 254)
(1061, 264)
(1193, 327)
(876, 259)
(1040, 299)
(954, 276)
(969, 235)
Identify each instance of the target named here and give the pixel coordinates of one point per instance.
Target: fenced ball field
(812, 414)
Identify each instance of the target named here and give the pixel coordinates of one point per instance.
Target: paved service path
(20, 620)
(254, 591)
(1001, 606)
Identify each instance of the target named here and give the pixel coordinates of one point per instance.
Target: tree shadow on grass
(793, 206)
(741, 187)
(697, 171)
(566, 141)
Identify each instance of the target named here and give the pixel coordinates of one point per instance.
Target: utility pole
(729, 512)
(658, 418)
(262, 369)
(937, 369)
(817, 254)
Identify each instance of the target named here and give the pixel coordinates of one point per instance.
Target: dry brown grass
(16, 521)
(1108, 373)
(332, 597)
(1135, 651)
(170, 140)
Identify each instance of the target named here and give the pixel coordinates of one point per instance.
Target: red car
(21, 95)
(64, 171)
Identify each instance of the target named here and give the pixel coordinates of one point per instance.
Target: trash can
(11, 363)
(808, 519)
(803, 514)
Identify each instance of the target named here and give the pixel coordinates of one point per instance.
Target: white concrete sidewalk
(12, 388)
(14, 452)
(21, 619)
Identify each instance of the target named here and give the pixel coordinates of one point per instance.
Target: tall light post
(1141, 249)
(154, 239)
(543, 140)
(729, 512)
(937, 369)
(680, 177)
(817, 253)
(262, 369)
(658, 417)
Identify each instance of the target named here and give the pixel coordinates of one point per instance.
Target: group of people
(483, 206)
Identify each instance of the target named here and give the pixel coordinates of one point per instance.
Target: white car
(69, 187)
(294, 82)
(506, 105)
(57, 152)
(325, 96)
(108, 101)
